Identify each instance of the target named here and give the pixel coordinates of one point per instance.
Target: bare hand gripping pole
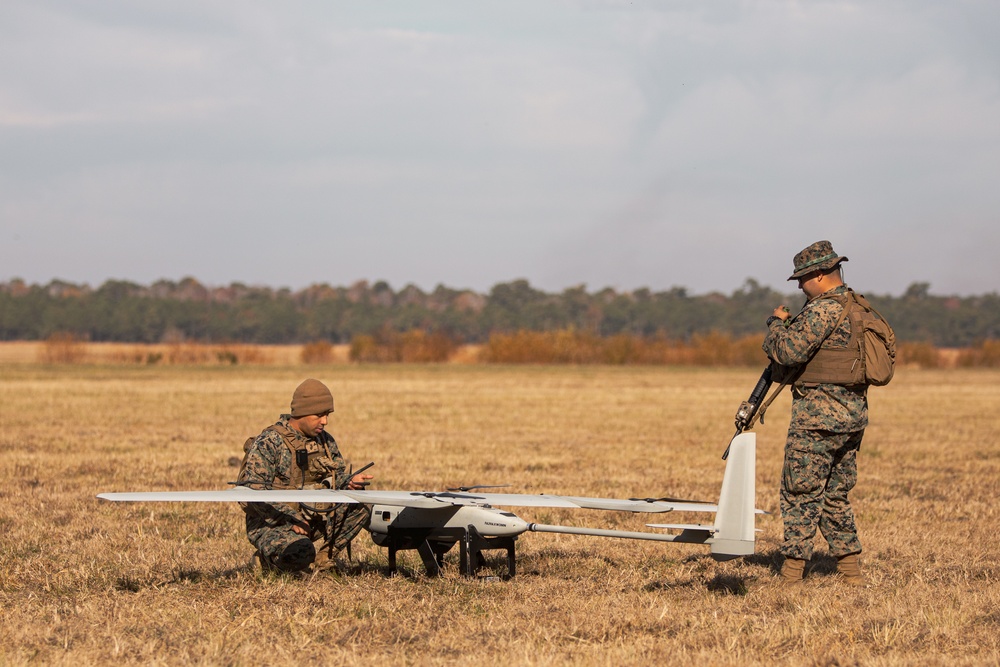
(351, 475)
(746, 415)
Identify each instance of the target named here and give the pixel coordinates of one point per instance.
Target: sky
(687, 143)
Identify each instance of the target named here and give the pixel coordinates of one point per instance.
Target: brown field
(84, 581)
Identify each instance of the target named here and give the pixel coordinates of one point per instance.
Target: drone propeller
(666, 500)
(443, 494)
(466, 489)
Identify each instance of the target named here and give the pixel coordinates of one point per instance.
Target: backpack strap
(792, 378)
(847, 303)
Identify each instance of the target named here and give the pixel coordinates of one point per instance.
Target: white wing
(421, 499)
(540, 500)
(236, 494)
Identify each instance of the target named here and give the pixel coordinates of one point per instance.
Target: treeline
(167, 311)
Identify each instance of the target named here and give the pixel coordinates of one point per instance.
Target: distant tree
(124, 311)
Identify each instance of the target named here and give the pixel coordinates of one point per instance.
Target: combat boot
(792, 571)
(325, 562)
(259, 563)
(849, 568)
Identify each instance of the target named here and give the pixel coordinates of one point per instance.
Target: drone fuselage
(444, 523)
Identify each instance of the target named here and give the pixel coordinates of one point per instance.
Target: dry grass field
(83, 581)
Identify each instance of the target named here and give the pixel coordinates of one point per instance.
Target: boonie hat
(820, 256)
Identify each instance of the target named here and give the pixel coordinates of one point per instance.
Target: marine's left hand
(359, 482)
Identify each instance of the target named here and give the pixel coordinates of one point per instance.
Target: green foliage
(942, 321)
(121, 311)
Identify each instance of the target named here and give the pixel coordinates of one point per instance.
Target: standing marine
(297, 453)
(829, 416)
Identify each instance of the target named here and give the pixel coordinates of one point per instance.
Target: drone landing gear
(432, 550)
(473, 544)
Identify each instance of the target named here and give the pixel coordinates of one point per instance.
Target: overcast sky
(607, 143)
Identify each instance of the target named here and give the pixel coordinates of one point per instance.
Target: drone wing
(237, 494)
(530, 500)
(736, 499)
(732, 534)
(242, 494)
(420, 499)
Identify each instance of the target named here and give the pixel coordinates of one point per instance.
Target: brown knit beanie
(311, 398)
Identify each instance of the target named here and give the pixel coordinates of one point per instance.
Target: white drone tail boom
(733, 533)
(734, 521)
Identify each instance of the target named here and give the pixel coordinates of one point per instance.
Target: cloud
(609, 143)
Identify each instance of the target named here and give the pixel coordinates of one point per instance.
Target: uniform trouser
(819, 471)
(288, 551)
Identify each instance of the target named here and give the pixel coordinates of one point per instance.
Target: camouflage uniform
(824, 436)
(270, 464)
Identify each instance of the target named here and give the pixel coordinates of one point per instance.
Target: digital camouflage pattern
(270, 464)
(827, 407)
(820, 469)
(824, 436)
(820, 256)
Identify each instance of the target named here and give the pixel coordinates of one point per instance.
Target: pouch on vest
(246, 453)
(301, 465)
(248, 445)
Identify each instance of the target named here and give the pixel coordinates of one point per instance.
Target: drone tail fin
(734, 520)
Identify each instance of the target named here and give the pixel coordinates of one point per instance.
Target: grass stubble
(89, 582)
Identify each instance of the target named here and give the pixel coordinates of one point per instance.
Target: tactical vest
(307, 473)
(843, 365)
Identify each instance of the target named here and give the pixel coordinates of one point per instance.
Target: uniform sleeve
(264, 459)
(795, 343)
(339, 464)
